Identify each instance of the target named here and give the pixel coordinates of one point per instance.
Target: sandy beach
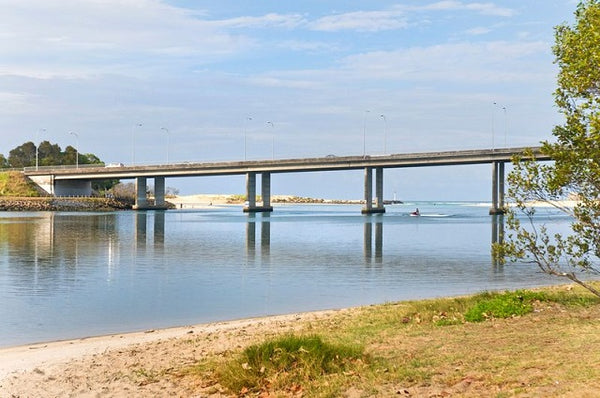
(141, 364)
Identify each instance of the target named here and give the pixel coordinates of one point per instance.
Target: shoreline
(171, 361)
(48, 366)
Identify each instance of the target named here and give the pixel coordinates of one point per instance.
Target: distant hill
(14, 183)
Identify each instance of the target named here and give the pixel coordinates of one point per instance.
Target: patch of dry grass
(551, 351)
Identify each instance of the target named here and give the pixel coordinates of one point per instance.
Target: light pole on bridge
(168, 142)
(248, 118)
(365, 133)
(384, 133)
(272, 140)
(133, 142)
(37, 148)
(76, 148)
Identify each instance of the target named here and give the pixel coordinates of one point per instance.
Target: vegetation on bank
(14, 183)
(527, 342)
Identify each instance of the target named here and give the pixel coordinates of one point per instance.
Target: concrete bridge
(70, 180)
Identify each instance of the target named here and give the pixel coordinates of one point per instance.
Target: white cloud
(87, 37)
(272, 20)
(362, 21)
(456, 62)
(482, 8)
(478, 31)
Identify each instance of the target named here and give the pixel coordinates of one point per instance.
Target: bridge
(71, 180)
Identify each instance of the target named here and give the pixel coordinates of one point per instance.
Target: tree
(576, 166)
(3, 162)
(23, 155)
(49, 154)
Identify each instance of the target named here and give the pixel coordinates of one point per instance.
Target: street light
(37, 147)
(384, 133)
(246, 137)
(168, 141)
(365, 133)
(493, 112)
(76, 148)
(133, 142)
(505, 125)
(273, 140)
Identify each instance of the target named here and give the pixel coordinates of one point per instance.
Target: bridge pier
(252, 207)
(369, 208)
(497, 188)
(141, 188)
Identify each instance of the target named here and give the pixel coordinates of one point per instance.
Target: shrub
(288, 362)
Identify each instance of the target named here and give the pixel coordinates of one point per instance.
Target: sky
(157, 81)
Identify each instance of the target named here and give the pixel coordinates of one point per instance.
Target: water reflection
(265, 235)
(72, 274)
(368, 240)
(497, 236)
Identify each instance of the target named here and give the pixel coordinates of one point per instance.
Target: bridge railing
(63, 167)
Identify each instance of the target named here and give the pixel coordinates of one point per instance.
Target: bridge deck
(329, 163)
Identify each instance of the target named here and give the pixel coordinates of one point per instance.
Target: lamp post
(133, 142)
(505, 125)
(365, 133)
(493, 114)
(246, 137)
(272, 140)
(76, 148)
(384, 133)
(37, 148)
(168, 141)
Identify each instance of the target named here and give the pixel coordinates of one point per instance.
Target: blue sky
(296, 78)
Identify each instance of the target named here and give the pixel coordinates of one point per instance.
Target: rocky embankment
(63, 204)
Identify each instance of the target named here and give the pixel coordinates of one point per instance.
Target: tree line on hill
(49, 154)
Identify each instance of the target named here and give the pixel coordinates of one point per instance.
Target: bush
(286, 363)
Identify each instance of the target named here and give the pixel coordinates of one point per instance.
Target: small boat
(415, 213)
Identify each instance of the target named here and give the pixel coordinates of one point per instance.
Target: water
(69, 275)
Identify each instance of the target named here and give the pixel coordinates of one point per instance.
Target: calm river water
(69, 275)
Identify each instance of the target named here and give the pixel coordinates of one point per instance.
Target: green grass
(13, 183)
(287, 362)
(502, 305)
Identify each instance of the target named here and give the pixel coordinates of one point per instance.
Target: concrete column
(266, 192)
(368, 191)
(369, 209)
(140, 193)
(497, 188)
(250, 192)
(501, 186)
(159, 192)
(379, 190)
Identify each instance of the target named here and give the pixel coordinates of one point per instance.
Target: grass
(288, 363)
(521, 343)
(13, 183)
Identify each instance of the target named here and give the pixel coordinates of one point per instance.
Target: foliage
(23, 155)
(291, 361)
(576, 166)
(124, 190)
(49, 154)
(3, 162)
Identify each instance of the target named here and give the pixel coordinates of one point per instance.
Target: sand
(142, 364)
